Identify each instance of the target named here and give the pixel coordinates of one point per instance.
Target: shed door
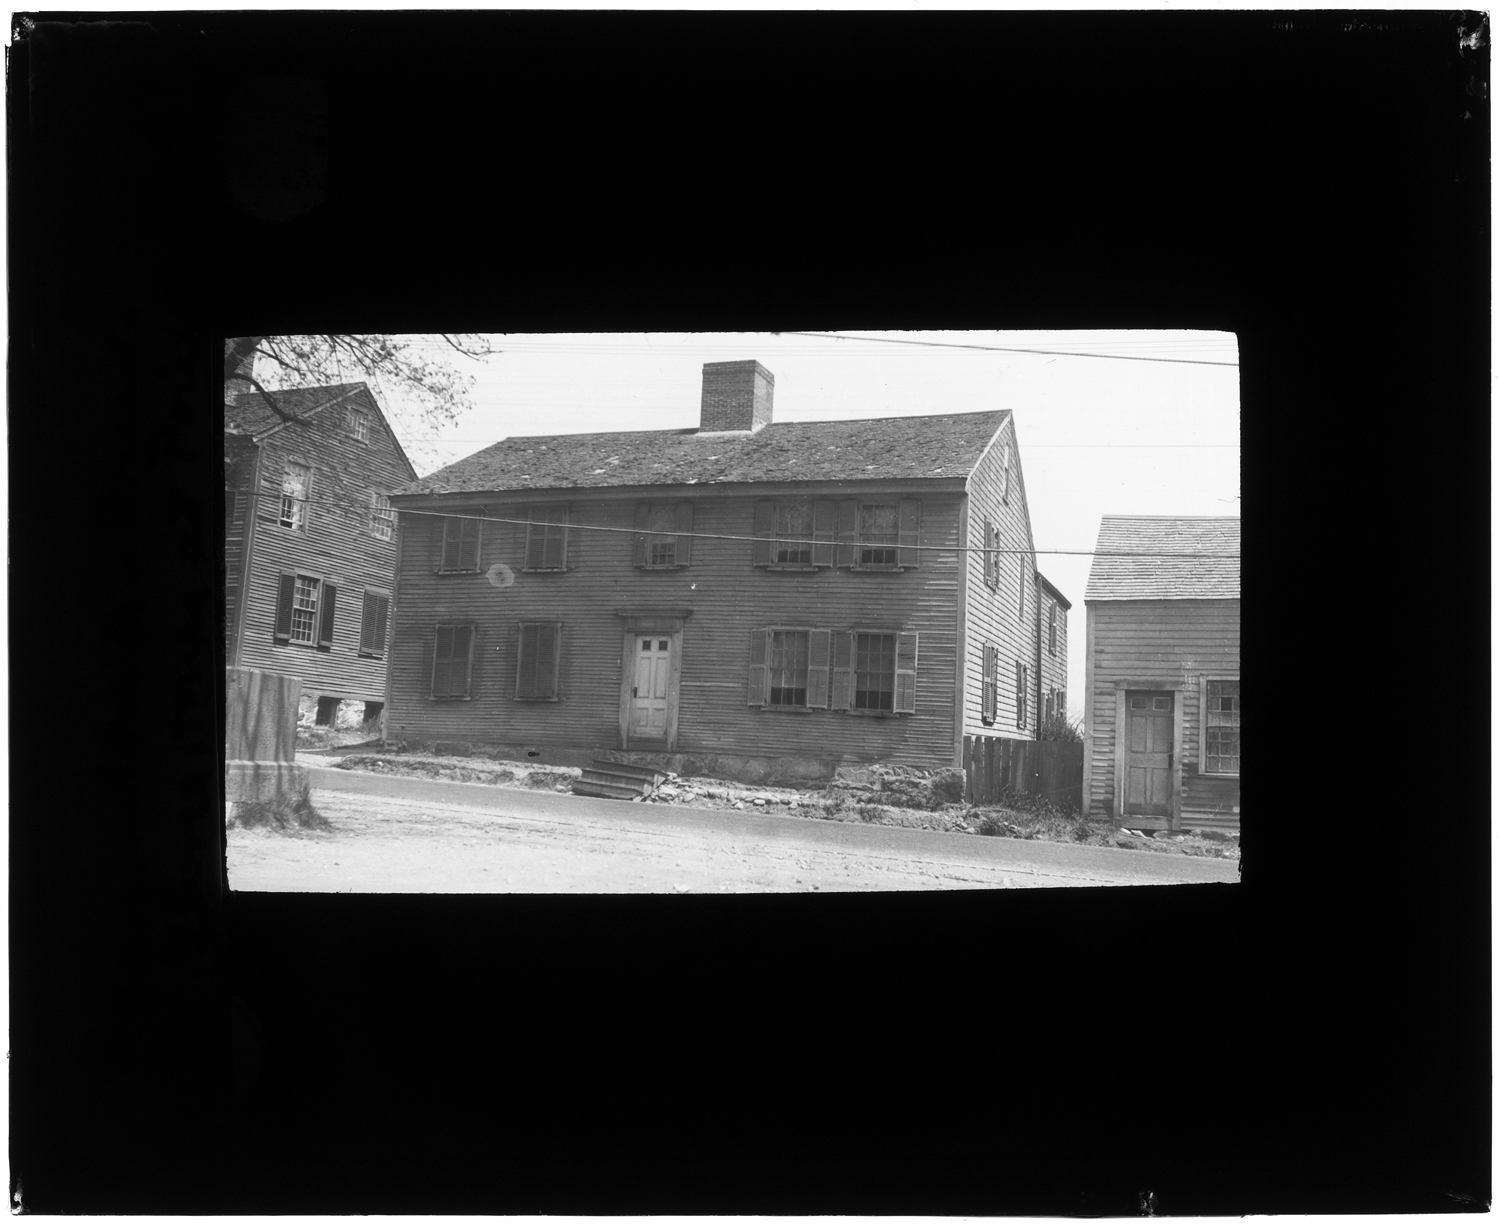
(1148, 755)
(648, 695)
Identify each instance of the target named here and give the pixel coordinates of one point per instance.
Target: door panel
(652, 681)
(1148, 755)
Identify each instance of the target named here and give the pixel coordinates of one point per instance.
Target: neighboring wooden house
(309, 532)
(1052, 650)
(782, 597)
(1164, 664)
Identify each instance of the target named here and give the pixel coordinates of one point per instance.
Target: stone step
(605, 790)
(646, 773)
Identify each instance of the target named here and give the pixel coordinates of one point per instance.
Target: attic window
(357, 423)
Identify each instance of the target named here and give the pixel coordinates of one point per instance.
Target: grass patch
(280, 815)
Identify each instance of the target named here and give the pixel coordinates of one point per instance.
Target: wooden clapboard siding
(727, 597)
(337, 546)
(240, 453)
(991, 616)
(1054, 672)
(1170, 644)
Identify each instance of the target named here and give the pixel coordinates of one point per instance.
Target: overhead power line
(996, 348)
(365, 510)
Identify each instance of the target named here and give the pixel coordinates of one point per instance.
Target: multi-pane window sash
(294, 491)
(788, 668)
(547, 538)
(459, 542)
(305, 608)
(452, 660)
(1221, 727)
(357, 423)
(864, 671)
(797, 534)
(538, 656)
(794, 533)
(664, 538)
(382, 518)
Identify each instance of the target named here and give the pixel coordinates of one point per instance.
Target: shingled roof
(888, 448)
(1160, 575)
(251, 414)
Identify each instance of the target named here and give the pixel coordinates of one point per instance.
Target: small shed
(1162, 677)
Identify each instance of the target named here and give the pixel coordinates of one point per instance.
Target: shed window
(988, 686)
(452, 660)
(294, 493)
(357, 423)
(538, 656)
(460, 546)
(664, 535)
(547, 538)
(1221, 727)
(381, 517)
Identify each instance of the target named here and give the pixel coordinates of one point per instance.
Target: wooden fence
(1047, 768)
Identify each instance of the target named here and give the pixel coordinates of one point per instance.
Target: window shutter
(329, 598)
(1052, 627)
(848, 532)
(642, 520)
(539, 655)
(910, 519)
(526, 662)
(818, 649)
(560, 547)
(989, 557)
(1021, 607)
(463, 658)
(442, 654)
(534, 543)
(1020, 694)
(825, 531)
(987, 686)
(468, 545)
(367, 625)
(556, 658)
(283, 628)
(841, 695)
(439, 543)
(757, 691)
(906, 673)
(382, 618)
(684, 534)
(765, 522)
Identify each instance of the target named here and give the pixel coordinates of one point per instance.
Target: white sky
(1096, 436)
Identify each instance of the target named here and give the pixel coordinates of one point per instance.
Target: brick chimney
(736, 396)
(237, 382)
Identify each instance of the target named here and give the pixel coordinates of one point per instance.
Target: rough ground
(891, 797)
(541, 842)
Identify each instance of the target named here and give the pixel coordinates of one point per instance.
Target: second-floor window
(818, 534)
(294, 493)
(547, 538)
(664, 537)
(382, 519)
(879, 535)
(458, 548)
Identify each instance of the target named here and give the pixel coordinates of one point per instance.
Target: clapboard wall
(726, 596)
(1169, 644)
(338, 544)
(996, 615)
(1054, 670)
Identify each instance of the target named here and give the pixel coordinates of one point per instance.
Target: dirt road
(404, 835)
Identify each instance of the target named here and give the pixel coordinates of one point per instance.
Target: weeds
(280, 814)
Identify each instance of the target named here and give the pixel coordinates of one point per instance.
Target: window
(664, 535)
(991, 558)
(459, 543)
(547, 538)
(1052, 627)
(294, 494)
(537, 658)
(305, 609)
(452, 660)
(372, 623)
(1020, 694)
(878, 535)
(794, 534)
(1221, 727)
(788, 668)
(1047, 707)
(1062, 703)
(382, 519)
(988, 686)
(819, 534)
(794, 531)
(357, 423)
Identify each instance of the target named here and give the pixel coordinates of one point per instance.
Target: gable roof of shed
(887, 448)
(250, 414)
(1169, 564)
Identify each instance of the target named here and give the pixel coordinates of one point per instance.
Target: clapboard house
(1162, 684)
(780, 597)
(310, 539)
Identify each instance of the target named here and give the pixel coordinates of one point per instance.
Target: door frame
(663, 623)
(1176, 689)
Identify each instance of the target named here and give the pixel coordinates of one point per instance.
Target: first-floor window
(373, 623)
(305, 609)
(452, 659)
(537, 661)
(788, 668)
(874, 671)
(1221, 727)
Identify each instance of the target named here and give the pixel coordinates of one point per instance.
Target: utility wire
(707, 535)
(996, 348)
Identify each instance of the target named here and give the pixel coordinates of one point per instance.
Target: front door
(648, 693)
(1148, 756)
